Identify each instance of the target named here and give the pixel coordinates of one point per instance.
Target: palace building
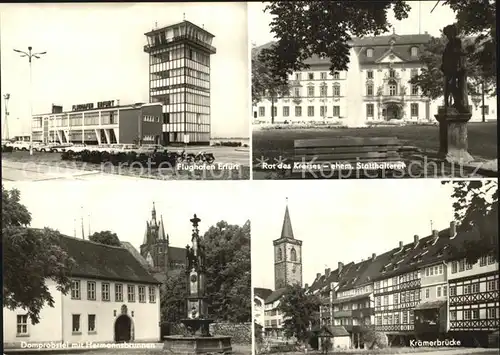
(419, 290)
(386, 65)
(113, 298)
(178, 111)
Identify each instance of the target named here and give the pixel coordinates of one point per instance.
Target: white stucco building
(113, 298)
(386, 65)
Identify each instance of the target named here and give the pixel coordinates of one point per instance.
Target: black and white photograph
(157, 90)
(124, 267)
(353, 90)
(376, 267)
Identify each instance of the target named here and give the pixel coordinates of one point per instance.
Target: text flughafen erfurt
(302, 166)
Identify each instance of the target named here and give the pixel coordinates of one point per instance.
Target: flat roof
(158, 30)
(123, 107)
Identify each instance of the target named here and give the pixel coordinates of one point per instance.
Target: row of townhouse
(420, 290)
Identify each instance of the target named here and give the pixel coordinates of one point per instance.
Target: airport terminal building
(179, 99)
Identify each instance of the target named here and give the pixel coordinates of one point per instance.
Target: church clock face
(193, 278)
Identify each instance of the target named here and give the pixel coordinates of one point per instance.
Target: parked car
(60, 148)
(42, 147)
(77, 148)
(21, 145)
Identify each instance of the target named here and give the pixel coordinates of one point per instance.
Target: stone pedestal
(453, 136)
(192, 345)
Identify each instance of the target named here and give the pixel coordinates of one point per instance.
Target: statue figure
(453, 68)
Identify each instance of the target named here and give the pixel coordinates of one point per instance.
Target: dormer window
(369, 52)
(414, 51)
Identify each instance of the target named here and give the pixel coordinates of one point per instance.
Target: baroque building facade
(386, 65)
(424, 289)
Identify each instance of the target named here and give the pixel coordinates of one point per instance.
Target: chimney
(318, 275)
(327, 272)
(401, 245)
(415, 239)
(340, 267)
(374, 256)
(306, 286)
(453, 229)
(435, 233)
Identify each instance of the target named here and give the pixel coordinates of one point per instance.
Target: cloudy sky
(95, 53)
(344, 221)
(260, 33)
(124, 207)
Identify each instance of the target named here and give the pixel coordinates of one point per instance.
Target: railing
(211, 48)
(395, 328)
(474, 298)
(475, 324)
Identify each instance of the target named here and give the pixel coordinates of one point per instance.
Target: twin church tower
(287, 256)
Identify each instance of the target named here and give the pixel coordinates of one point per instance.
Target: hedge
(7, 149)
(165, 158)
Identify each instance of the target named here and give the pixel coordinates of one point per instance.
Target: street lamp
(6, 124)
(30, 55)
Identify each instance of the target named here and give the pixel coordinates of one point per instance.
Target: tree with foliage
(478, 19)
(31, 257)
(476, 209)
(323, 28)
(173, 298)
(430, 80)
(228, 272)
(105, 237)
(264, 84)
(300, 312)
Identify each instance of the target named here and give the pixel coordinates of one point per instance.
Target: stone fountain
(199, 340)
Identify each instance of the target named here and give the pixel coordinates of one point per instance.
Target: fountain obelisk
(197, 322)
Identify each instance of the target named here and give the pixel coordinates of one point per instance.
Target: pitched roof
(429, 250)
(177, 254)
(136, 254)
(262, 292)
(105, 262)
(333, 330)
(380, 45)
(286, 230)
(276, 295)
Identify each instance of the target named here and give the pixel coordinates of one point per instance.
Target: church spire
(153, 212)
(286, 231)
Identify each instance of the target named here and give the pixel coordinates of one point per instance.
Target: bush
(374, 339)
(165, 158)
(7, 149)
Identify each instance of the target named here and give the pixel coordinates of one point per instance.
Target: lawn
(279, 142)
(54, 159)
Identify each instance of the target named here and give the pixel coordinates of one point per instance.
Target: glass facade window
(179, 77)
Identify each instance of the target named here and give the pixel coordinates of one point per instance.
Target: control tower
(179, 77)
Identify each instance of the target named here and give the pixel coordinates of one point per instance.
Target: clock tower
(287, 256)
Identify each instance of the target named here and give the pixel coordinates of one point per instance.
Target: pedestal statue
(197, 322)
(455, 113)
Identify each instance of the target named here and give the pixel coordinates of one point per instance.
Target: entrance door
(393, 112)
(123, 327)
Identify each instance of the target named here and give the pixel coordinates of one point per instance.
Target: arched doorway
(392, 112)
(123, 329)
